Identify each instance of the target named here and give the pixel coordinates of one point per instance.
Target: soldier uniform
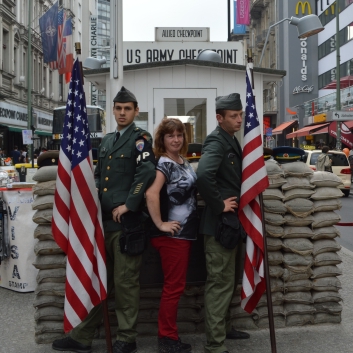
(125, 169)
(218, 178)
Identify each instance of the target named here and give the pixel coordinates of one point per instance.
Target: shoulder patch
(140, 144)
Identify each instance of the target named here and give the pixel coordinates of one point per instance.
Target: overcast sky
(141, 16)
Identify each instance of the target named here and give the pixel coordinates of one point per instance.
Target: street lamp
(307, 26)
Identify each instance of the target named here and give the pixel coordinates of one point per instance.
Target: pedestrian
(125, 169)
(219, 181)
(16, 155)
(171, 201)
(324, 163)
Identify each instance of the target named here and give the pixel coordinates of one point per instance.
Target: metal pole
(266, 266)
(29, 68)
(338, 77)
(229, 35)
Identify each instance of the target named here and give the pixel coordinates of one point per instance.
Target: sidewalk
(17, 328)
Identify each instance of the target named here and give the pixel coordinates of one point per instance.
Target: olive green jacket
(123, 172)
(218, 176)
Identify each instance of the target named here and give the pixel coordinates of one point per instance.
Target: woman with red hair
(171, 201)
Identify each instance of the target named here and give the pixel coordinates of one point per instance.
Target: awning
(305, 130)
(349, 124)
(42, 133)
(15, 128)
(279, 129)
(323, 130)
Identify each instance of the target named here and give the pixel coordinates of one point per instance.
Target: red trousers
(175, 258)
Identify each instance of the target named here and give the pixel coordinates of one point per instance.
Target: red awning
(305, 130)
(349, 124)
(323, 130)
(345, 82)
(279, 129)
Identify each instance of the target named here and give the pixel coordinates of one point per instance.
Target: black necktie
(117, 135)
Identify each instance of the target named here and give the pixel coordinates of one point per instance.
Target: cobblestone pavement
(17, 328)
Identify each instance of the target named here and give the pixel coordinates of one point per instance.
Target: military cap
(287, 154)
(125, 96)
(230, 102)
(267, 153)
(48, 158)
(194, 151)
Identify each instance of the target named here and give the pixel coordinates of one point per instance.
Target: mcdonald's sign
(303, 5)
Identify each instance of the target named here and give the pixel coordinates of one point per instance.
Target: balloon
(346, 151)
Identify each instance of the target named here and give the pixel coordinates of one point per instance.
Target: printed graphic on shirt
(181, 193)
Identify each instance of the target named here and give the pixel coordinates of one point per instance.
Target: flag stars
(82, 143)
(76, 92)
(248, 124)
(78, 117)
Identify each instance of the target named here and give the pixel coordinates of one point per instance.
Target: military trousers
(223, 270)
(123, 274)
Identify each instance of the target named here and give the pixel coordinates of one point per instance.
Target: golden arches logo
(303, 6)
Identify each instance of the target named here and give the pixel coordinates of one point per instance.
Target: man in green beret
(219, 180)
(125, 169)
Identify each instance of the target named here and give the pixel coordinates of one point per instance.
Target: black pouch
(229, 230)
(133, 240)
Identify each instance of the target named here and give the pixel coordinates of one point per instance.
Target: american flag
(61, 39)
(254, 181)
(77, 220)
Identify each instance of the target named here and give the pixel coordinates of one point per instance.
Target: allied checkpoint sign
(17, 272)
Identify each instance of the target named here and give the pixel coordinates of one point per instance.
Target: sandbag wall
(50, 260)
(299, 210)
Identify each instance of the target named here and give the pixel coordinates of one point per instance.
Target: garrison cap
(267, 153)
(48, 158)
(287, 154)
(125, 96)
(230, 102)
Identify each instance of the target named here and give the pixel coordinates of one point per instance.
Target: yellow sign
(303, 6)
(309, 137)
(332, 10)
(319, 118)
(308, 147)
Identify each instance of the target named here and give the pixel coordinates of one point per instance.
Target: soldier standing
(219, 182)
(125, 169)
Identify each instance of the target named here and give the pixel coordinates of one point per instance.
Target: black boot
(68, 344)
(167, 345)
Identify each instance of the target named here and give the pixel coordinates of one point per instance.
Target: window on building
(5, 51)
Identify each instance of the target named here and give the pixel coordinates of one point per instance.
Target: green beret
(231, 102)
(125, 96)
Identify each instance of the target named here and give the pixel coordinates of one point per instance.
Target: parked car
(340, 166)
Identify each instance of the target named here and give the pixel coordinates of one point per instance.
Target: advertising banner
(17, 272)
(346, 134)
(243, 12)
(238, 29)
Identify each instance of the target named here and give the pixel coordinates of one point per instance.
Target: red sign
(346, 135)
(267, 122)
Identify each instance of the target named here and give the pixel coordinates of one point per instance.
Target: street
(346, 239)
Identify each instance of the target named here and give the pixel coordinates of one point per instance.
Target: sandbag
(41, 301)
(328, 307)
(289, 275)
(272, 194)
(49, 313)
(327, 205)
(276, 271)
(301, 285)
(273, 169)
(277, 311)
(326, 284)
(43, 262)
(276, 284)
(276, 182)
(274, 219)
(44, 188)
(279, 322)
(322, 179)
(274, 231)
(325, 245)
(298, 297)
(273, 244)
(274, 206)
(55, 275)
(43, 216)
(49, 288)
(277, 299)
(298, 221)
(296, 308)
(295, 182)
(326, 296)
(327, 258)
(300, 207)
(301, 246)
(327, 193)
(275, 258)
(325, 233)
(325, 219)
(326, 271)
(299, 319)
(48, 327)
(325, 318)
(47, 247)
(43, 202)
(46, 173)
(291, 260)
(48, 337)
(297, 232)
(297, 193)
(43, 232)
(297, 169)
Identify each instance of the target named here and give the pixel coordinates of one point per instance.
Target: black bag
(133, 240)
(230, 231)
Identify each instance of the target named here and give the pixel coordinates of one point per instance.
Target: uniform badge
(140, 144)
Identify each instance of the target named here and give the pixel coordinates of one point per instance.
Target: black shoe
(68, 344)
(124, 347)
(233, 334)
(167, 345)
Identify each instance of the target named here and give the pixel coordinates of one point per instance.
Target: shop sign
(303, 89)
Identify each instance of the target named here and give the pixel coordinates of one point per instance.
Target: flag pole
(266, 267)
(108, 337)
